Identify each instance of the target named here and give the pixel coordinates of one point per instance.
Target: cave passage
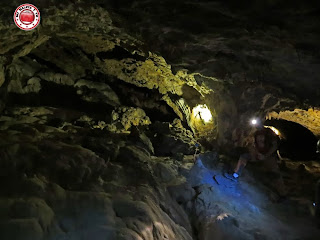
(297, 142)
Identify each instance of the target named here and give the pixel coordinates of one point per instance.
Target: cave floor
(254, 205)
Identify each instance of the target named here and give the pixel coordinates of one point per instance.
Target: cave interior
(121, 120)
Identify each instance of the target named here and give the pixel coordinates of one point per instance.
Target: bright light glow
(202, 112)
(314, 204)
(276, 131)
(254, 121)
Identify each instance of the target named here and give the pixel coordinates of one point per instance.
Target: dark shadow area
(297, 143)
(150, 100)
(54, 95)
(48, 64)
(119, 53)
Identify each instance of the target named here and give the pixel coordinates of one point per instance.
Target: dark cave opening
(297, 142)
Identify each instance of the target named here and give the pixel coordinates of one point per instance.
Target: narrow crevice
(49, 65)
(119, 53)
(150, 100)
(55, 95)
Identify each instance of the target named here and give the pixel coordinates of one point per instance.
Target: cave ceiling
(242, 60)
(308, 118)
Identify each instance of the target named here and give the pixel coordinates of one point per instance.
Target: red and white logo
(26, 17)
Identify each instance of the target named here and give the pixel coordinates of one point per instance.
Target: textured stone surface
(95, 137)
(76, 181)
(170, 139)
(62, 190)
(307, 118)
(112, 52)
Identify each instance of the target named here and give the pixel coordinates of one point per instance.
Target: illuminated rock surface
(101, 108)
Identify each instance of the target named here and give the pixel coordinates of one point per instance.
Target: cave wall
(238, 63)
(95, 107)
(258, 56)
(66, 59)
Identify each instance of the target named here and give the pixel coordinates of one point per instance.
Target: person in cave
(262, 150)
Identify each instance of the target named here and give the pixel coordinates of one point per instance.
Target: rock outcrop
(96, 132)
